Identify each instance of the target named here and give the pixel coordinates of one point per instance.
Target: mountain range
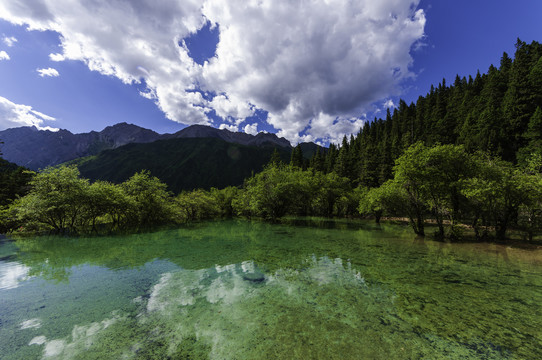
(37, 149)
(195, 157)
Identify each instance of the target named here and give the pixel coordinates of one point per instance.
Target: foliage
(451, 186)
(197, 205)
(496, 193)
(60, 201)
(149, 200)
(13, 181)
(280, 190)
(56, 199)
(268, 193)
(331, 195)
(432, 178)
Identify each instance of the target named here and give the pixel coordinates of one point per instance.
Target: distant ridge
(202, 131)
(37, 149)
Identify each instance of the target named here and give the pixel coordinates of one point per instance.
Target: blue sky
(311, 72)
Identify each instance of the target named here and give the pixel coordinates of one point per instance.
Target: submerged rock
(256, 276)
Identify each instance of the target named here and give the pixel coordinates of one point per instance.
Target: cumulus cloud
(16, 115)
(226, 107)
(9, 40)
(230, 127)
(56, 57)
(334, 127)
(314, 67)
(48, 72)
(251, 129)
(4, 55)
(309, 63)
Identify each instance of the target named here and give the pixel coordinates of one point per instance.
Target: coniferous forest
(465, 158)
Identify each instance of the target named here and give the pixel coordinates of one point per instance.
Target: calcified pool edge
(296, 294)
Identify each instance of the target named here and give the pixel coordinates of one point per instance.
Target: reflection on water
(241, 290)
(11, 274)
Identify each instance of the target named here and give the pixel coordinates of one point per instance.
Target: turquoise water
(251, 290)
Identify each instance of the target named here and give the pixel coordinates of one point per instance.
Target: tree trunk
(440, 223)
(417, 224)
(378, 215)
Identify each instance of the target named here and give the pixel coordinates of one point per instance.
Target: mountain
(37, 149)
(182, 163)
(202, 131)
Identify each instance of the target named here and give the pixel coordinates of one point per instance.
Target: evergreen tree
(317, 161)
(296, 158)
(275, 158)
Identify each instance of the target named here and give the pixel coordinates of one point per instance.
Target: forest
(465, 158)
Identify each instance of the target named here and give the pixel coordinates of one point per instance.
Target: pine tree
(275, 158)
(317, 161)
(296, 158)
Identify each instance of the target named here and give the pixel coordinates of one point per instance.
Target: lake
(251, 290)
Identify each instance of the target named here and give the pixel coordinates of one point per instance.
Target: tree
(106, 201)
(267, 194)
(151, 202)
(13, 181)
(56, 200)
(296, 159)
(409, 176)
(224, 199)
(432, 177)
(197, 205)
(495, 193)
(530, 211)
(317, 161)
(388, 199)
(328, 189)
(275, 158)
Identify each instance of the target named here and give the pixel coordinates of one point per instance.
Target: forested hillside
(498, 112)
(183, 164)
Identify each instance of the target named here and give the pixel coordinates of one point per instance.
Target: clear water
(250, 290)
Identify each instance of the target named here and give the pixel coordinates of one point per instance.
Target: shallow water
(251, 290)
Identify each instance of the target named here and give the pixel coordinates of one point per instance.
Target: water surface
(250, 290)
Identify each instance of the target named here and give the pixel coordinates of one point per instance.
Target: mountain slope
(183, 164)
(37, 149)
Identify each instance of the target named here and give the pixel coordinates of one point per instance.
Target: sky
(309, 70)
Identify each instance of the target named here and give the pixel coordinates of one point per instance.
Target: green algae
(247, 290)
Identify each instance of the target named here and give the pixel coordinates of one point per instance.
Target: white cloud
(9, 40)
(230, 127)
(388, 104)
(16, 115)
(48, 72)
(226, 107)
(307, 64)
(332, 129)
(4, 55)
(56, 57)
(251, 129)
